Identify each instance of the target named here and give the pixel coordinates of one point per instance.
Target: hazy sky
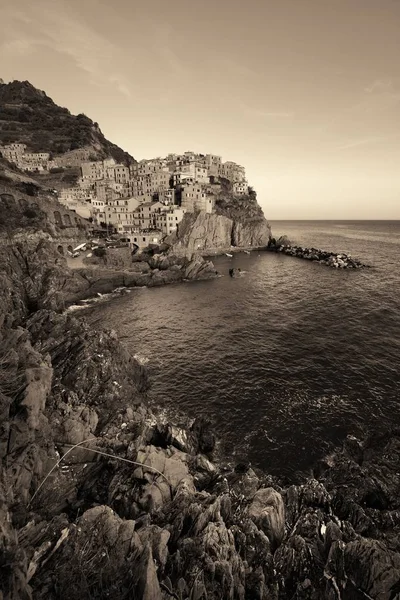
(304, 93)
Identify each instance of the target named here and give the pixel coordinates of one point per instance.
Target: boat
(246, 251)
(230, 255)
(80, 247)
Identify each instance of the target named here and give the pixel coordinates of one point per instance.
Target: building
(167, 196)
(240, 188)
(93, 170)
(148, 167)
(35, 161)
(191, 170)
(194, 197)
(167, 221)
(213, 164)
(13, 152)
(145, 214)
(98, 211)
(143, 239)
(121, 213)
(118, 173)
(232, 171)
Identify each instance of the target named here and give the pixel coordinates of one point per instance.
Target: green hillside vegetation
(29, 116)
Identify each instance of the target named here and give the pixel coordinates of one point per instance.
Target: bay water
(287, 359)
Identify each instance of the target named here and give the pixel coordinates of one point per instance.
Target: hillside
(28, 209)
(29, 116)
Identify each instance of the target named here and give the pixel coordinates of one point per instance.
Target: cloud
(53, 25)
(379, 96)
(367, 141)
(379, 86)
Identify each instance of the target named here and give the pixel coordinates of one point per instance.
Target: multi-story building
(194, 197)
(118, 173)
(35, 161)
(167, 196)
(240, 188)
(193, 171)
(232, 171)
(13, 152)
(93, 170)
(145, 214)
(147, 167)
(168, 220)
(213, 164)
(98, 211)
(120, 213)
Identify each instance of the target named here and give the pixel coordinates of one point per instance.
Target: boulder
(267, 510)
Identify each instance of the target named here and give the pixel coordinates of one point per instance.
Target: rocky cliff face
(201, 232)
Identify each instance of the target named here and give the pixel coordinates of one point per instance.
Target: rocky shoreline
(101, 497)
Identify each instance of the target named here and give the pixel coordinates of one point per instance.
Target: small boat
(230, 255)
(246, 251)
(80, 247)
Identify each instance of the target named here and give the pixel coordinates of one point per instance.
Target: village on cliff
(143, 202)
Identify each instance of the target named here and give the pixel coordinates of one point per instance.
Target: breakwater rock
(330, 259)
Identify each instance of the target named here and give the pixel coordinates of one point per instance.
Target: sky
(304, 93)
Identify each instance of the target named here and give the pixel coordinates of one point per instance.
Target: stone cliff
(202, 233)
(238, 221)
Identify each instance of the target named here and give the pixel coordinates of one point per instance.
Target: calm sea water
(286, 360)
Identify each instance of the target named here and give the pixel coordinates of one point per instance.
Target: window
(144, 239)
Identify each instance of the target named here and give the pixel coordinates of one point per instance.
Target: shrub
(100, 252)
(30, 213)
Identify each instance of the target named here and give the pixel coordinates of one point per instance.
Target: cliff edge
(237, 222)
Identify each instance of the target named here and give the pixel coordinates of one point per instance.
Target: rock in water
(235, 272)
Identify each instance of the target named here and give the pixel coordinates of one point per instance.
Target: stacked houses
(146, 200)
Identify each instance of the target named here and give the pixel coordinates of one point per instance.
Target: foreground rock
(331, 259)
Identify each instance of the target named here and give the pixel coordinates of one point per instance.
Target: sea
(286, 360)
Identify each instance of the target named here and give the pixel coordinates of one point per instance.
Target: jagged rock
(148, 587)
(268, 513)
(157, 539)
(203, 437)
(198, 268)
(372, 569)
